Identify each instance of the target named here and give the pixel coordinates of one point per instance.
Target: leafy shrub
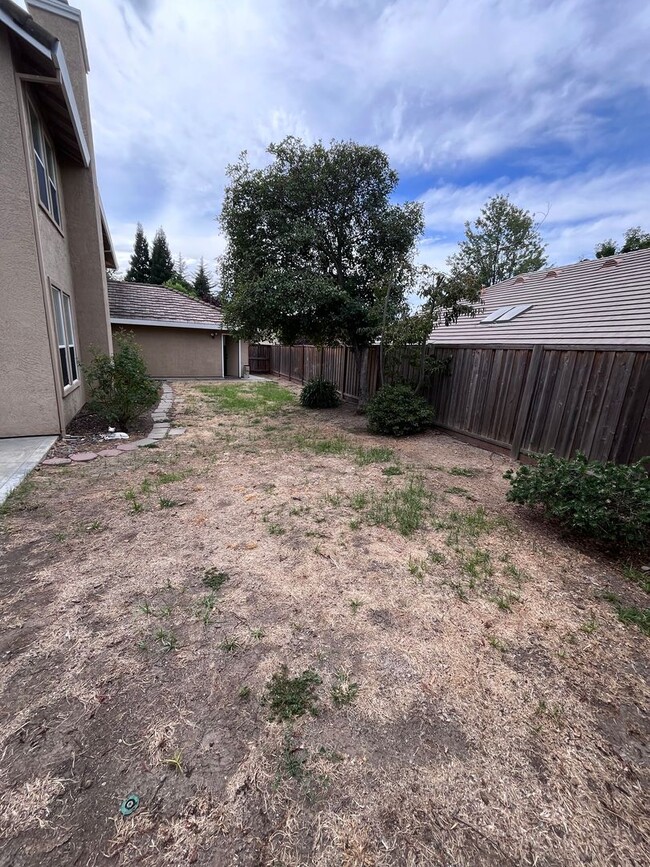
(120, 388)
(319, 393)
(398, 411)
(604, 501)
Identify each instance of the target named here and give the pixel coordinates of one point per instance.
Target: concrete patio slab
(18, 457)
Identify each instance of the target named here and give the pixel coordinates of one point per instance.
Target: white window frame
(45, 160)
(65, 337)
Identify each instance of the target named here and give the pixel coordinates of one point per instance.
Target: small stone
(56, 462)
(109, 453)
(145, 442)
(176, 431)
(645, 568)
(127, 447)
(81, 457)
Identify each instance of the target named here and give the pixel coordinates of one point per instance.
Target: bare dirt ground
(479, 701)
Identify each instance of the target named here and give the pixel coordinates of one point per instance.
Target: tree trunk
(381, 343)
(423, 356)
(361, 358)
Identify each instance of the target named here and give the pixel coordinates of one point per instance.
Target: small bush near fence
(605, 501)
(320, 394)
(119, 386)
(397, 411)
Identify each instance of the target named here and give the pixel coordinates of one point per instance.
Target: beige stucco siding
(81, 203)
(57, 266)
(172, 352)
(27, 388)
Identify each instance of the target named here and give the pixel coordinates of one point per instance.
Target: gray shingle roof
(131, 303)
(598, 302)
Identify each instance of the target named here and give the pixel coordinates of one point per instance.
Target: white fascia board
(13, 25)
(166, 323)
(59, 61)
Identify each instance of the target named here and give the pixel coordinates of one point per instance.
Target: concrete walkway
(19, 456)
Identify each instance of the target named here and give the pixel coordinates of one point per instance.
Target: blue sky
(546, 101)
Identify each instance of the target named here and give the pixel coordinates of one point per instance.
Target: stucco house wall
(36, 253)
(27, 379)
(177, 352)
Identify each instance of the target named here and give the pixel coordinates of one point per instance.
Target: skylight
(506, 314)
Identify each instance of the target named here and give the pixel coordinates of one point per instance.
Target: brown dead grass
(479, 735)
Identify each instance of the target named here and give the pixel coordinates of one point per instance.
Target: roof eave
(63, 75)
(167, 323)
(110, 258)
(21, 23)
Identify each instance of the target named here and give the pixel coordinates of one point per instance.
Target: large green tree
(161, 268)
(139, 264)
(503, 241)
(312, 239)
(635, 239)
(202, 283)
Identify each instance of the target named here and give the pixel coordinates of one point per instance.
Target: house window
(45, 165)
(65, 337)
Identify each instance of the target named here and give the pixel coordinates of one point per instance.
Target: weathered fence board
(527, 399)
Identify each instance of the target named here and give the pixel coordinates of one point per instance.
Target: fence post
(345, 369)
(523, 410)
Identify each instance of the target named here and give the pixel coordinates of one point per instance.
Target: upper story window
(45, 164)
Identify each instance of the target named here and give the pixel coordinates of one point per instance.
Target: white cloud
(576, 212)
(179, 89)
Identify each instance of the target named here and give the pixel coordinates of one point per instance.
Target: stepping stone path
(161, 429)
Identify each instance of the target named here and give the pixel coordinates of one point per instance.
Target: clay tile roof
(133, 303)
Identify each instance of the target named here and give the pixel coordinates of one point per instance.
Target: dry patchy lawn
(475, 699)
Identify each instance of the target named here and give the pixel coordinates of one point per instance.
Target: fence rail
(525, 399)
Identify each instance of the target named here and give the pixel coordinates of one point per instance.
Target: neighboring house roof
(597, 302)
(40, 55)
(144, 304)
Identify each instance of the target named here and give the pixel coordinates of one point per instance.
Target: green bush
(398, 411)
(605, 501)
(119, 387)
(319, 393)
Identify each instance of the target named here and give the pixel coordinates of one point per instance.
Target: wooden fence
(523, 399)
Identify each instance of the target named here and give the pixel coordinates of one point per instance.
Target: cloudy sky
(547, 100)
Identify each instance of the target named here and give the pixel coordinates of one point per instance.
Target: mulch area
(87, 432)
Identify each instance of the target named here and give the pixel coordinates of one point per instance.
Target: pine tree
(202, 284)
(180, 269)
(140, 263)
(162, 264)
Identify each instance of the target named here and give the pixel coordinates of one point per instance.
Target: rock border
(162, 428)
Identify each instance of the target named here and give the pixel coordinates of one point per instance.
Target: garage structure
(180, 337)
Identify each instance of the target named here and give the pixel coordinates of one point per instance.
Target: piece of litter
(129, 804)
